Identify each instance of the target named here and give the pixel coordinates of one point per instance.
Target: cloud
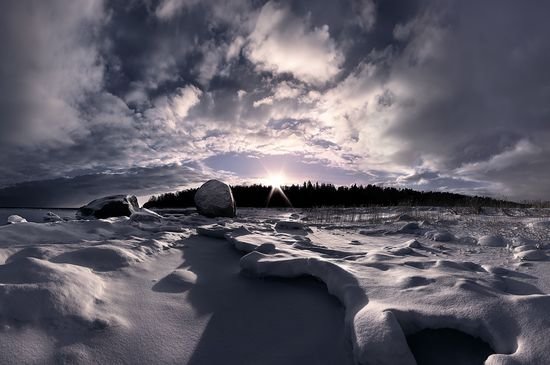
(284, 43)
(47, 74)
(167, 9)
(378, 91)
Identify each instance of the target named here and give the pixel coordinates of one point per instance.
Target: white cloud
(282, 42)
(519, 154)
(169, 8)
(184, 100)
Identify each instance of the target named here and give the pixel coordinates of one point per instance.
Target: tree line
(309, 195)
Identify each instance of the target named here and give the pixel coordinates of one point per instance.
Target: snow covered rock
(110, 206)
(492, 241)
(52, 217)
(145, 215)
(215, 199)
(16, 219)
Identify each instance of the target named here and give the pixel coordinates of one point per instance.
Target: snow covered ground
(426, 286)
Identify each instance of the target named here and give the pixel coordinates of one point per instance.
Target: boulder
(215, 199)
(110, 206)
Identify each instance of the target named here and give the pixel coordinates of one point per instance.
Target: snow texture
(157, 288)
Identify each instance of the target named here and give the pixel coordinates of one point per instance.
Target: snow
(12, 219)
(177, 287)
(492, 241)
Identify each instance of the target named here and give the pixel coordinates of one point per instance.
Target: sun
(275, 180)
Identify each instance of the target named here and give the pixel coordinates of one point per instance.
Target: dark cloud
(76, 191)
(429, 94)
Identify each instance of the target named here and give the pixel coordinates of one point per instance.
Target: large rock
(214, 199)
(109, 206)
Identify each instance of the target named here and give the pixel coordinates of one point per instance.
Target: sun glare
(275, 180)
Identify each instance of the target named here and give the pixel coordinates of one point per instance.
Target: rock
(110, 206)
(52, 217)
(214, 199)
(12, 219)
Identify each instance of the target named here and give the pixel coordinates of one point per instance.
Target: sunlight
(275, 180)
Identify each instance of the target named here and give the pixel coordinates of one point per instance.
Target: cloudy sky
(143, 96)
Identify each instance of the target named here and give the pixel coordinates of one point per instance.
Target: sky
(144, 97)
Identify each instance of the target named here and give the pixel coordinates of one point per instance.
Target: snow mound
(177, 281)
(12, 219)
(34, 290)
(99, 258)
(440, 236)
(38, 252)
(411, 227)
(492, 241)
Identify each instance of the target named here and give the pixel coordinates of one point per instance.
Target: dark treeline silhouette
(310, 195)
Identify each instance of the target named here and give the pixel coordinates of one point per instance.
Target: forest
(308, 195)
